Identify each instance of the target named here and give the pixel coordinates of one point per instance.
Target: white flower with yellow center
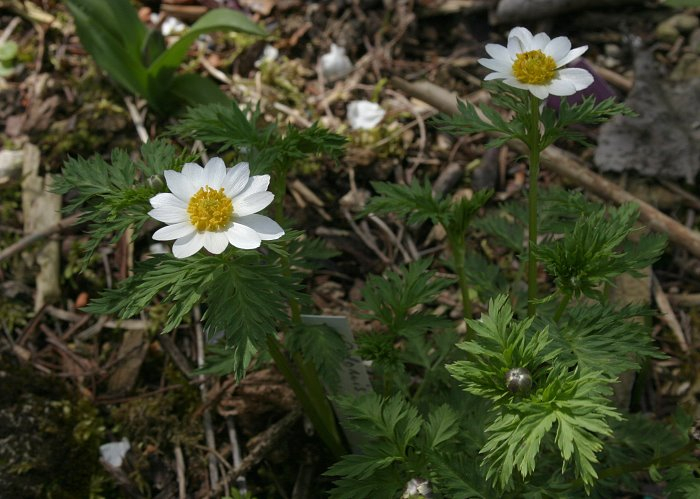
(534, 63)
(213, 206)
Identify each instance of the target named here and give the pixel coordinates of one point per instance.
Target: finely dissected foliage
(393, 300)
(229, 126)
(415, 202)
(557, 122)
(137, 58)
(183, 281)
(418, 204)
(114, 196)
(400, 445)
(235, 287)
(574, 401)
(598, 338)
(321, 345)
(592, 254)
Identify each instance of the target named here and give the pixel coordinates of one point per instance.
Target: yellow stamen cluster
(534, 67)
(210, 209)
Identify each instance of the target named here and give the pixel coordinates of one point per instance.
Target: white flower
(213, 206)
(114, 452)
(335, 64)
(535, 63)
(417, 487)
(364, 115)
(269, 54)
(170, 26)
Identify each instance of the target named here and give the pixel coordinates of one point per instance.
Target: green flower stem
(660, 462)
(279, 189)
(310, 393)
(459, 252)
(533, 139)
(327, 432)
(562, 306)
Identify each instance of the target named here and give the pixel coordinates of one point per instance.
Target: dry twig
(268, 439)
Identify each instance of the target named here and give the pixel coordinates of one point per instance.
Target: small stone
(666, 32)
(674, 26)
(612, 50)
(685, 23)
(694, 41)
(688, 67)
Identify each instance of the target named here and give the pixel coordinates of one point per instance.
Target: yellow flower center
(209, 209)
(534, 67)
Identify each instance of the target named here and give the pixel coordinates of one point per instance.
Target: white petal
(169, 215)
(539, 41)
(215, 242)
(539, 91)
(579, 77)
(195, 174)
(173, 231)
(114, 452)
(167, 200)
(252, 204)
(214, 173)
(561, 88)
(335, 64)
(364, 115)
(523, 37)
(179, 185)
(236, 179)
(558, 48)
(514, 47)
(256, 183)
(188, 245)
(243, 237)
(266, 228)
(496, 76)
(498, 52)
(514, 82)
(571, 56)
(501, 66)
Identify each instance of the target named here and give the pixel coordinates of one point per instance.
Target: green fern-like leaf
(323, 346)
(115, 196)
(182, 281)
(590, 254)
(596, 337)
(415, 202)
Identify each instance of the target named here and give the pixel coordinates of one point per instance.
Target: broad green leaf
(194, 90)
(8, 51)
(153, 46)
(112, 34)
(214, 20)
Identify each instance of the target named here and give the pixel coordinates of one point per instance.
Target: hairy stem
(458, 251)
(533, 137)
(562, 306)
(660, 462)
(310, 393)
(326, 429)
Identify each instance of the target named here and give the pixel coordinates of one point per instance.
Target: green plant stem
(562, 306)
(310, 393)
(660, 462)
(327, 432)
(533, 137)
(458, 251)
(279, 188)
